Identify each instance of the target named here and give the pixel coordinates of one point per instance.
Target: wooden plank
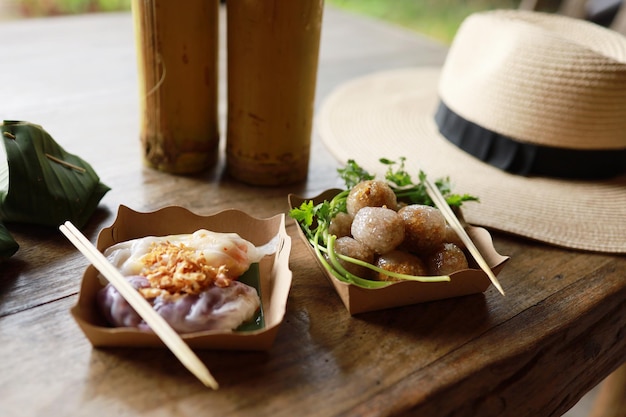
(557, 332)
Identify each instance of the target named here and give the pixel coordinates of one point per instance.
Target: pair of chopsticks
(454, 222)
(162, 329)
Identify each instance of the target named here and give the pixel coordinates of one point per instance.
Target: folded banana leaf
(41, 183)
(8, 246)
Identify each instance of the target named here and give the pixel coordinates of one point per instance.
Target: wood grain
(559, 330)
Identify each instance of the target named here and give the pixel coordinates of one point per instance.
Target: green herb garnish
(406, 190)
(315, 219)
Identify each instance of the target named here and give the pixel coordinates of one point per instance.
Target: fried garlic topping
(176, 269)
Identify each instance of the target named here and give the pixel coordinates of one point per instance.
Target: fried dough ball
(340, 225)
(447, 259)
(425, 228)
(353, 248)
(379, 228)
(400, 262)
(370, 193)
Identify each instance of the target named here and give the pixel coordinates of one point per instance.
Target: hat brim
(390, 114)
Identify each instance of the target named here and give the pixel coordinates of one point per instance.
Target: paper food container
(271, 276)
(360, 300)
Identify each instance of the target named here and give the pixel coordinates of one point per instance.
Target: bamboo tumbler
(177, 53)
(273, 48)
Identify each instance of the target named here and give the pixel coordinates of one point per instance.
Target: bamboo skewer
(454, 222)
(162, 329)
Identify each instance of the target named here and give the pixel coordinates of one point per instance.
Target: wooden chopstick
(165, 332)
(454, 222)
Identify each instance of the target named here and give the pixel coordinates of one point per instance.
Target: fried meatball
(425, 228)
(353, 248)
(371, 193)
(447, 259)
(379, 228)
(340, 225)
(400, 262)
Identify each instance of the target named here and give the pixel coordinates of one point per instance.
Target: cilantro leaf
(353, 174)
(315, 219)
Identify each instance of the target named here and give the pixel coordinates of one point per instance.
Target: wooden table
(559, 331)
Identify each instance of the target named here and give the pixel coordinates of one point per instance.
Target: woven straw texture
(390, 114)
(535, 77)
(539, 78)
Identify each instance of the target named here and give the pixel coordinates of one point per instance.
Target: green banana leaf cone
(41, 183)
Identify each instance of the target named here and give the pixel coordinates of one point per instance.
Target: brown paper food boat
(273, 279)
(360, 300)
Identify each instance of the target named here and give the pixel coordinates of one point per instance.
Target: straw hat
(528, 113)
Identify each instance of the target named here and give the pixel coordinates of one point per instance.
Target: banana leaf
(8, 246)
(41, 183)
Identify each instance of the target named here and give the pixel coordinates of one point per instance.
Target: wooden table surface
(558, 332)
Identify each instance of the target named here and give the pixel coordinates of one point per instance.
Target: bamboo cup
(273, 48)
(177, 52)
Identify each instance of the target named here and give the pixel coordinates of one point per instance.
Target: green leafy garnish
(406, 190)
(353, 174)
(315, 219)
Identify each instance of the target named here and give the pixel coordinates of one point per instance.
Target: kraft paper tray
(274, 276)
(360, 300)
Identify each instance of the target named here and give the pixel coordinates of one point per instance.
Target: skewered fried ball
(447, 259)
(370, 193)
(425, 228)
(353, 248)
(400, 262)
(379, 228)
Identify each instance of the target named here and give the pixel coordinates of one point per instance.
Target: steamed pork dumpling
(402, 263)
(351, 247)
(379, 228)
(448, 258)
(216, 255)
(190, 279)
(370, 193)
(425, 228)
(340, 225)
(453, 237)
(216, 308)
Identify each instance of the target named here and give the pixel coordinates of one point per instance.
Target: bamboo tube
(177, 52)
(273, 48)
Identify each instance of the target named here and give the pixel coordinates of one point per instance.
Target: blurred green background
(39, 8)
(438, 19)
